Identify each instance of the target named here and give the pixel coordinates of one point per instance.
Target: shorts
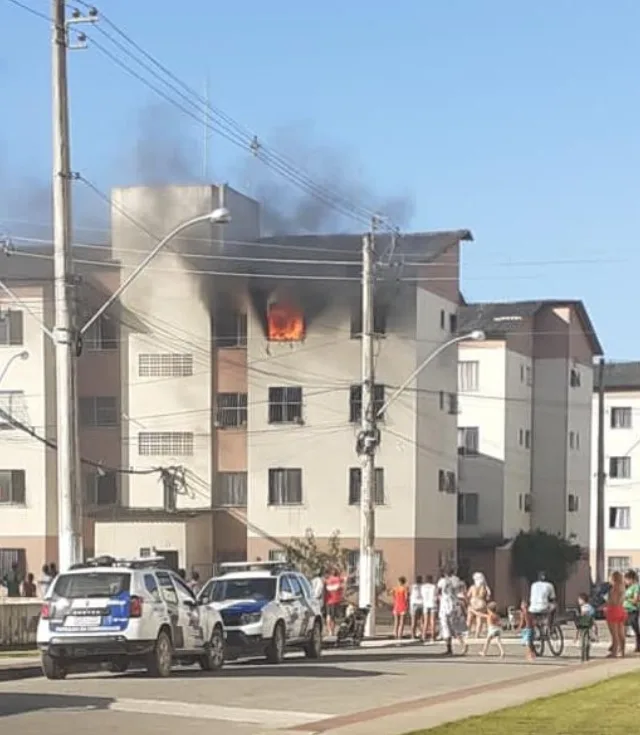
(494, 632)
(429, 609)
(616, 614)
(332, 611)
(400, 610)
(527, 636)
(416, 608)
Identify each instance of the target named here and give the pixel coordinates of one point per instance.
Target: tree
(310, 559)
(539, 551)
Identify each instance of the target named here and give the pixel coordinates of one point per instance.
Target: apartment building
(220, 398)
(524, 424)
(622, 462)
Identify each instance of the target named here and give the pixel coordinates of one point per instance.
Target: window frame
(626, 411)
(273, 492)
(11, 328)
(463, 433)
(232, 410)
(355, 401)
(354, 494)
(16, 477)
(95, 339)
(90, 412)
(285, 404)
(243, 492)
(165, 365)
(92, 489)
(464, 499)
(618, 462)
(187, 439)
(468, 383)
(625, 513)
(231, 330)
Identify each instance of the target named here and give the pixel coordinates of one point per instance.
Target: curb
(26, 670)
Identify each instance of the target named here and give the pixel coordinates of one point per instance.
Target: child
(428, 609)
(400, 607)
(586, 616)
(494, 628)
(526, 627)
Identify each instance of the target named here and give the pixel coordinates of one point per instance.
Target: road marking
(264, 717)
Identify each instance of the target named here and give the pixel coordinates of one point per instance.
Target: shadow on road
(438, 658)
(17, 703)
(283, 671)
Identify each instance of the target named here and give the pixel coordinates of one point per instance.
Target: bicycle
(584, 623)
(547, 634)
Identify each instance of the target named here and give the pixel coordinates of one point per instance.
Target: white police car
(117, 611)
(266, 608)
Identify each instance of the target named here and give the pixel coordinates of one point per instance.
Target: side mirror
(287, 597)
(191, 604)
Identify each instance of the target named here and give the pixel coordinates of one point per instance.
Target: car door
(307, 604)
(172, 602)
(288, 606)
(301, 610)
(191, 616)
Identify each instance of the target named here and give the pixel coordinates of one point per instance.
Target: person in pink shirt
(333, 598)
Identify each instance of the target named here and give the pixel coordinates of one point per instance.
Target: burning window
(285, 323)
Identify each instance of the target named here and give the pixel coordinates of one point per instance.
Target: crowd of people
(16, 584)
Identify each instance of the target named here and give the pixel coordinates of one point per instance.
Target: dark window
(468, 509)
(102, 488)
(151, 586)
(231, 409)
(573, 504)
(468, 439)
(285, 405)
(230, 329)
(285, 486)
(453, 403)
(379, 321)
(232, 489)
(92, 585)
(441, 399)
(13, 487)
(574, 378)
(101, 335)
(620, 517)
(443, 318)
(619, 468)
(446, 481)
(527, 439)
(355, 401)
(11, 328)
(355, 486)
(98, 411)
(453, 323)
(621, 417)
(167, 587)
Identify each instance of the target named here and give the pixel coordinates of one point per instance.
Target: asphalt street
(254, 697)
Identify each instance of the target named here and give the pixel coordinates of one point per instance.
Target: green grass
(607, 708)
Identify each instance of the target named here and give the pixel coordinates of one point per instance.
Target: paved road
(251, 698)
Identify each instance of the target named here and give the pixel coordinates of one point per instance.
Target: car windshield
(251, 588)
(92, 584)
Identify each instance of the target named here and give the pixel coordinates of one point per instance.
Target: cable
(31, 10)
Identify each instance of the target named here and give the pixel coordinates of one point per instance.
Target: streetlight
(367, 587)
(24, 355)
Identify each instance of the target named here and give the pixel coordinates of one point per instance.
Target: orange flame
(285, 323)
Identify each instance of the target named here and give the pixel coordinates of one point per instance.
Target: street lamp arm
(23, 305)
(209, 217)
(24, 355)
(475, 335)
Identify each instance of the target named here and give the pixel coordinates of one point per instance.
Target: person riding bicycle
(542, 599)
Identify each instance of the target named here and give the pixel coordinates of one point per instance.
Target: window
(528, 376)
(151, 587)
(468, 378)
(101, 335)
(441, 399)
(521, 437)
(165, 365)
(355, 486)
(167, 588)
(620, 517)
(574, 378)
(102, 488)
(522, 373)
(355, 401)
(230, 329)
(453, 323)
(619, 468)
(12, 487)
(618, 564)
(527, 439)
(232, 489)
(621, 417)
(353, 566)
(525, 502)
(379, 321)
(12, 403)
(231, 409)
(446, 481)
(279, 555)
(165, 443)
(453, 403)
(468, 439)
(443, 318)
(573, 503)
(468, 509)
(285, 405)
(98, 411)
(285, 486)
(11, 328)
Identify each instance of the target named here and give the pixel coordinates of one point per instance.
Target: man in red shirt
(333, 598)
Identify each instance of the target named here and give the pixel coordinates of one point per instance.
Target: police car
(116, 611)
(266, 608)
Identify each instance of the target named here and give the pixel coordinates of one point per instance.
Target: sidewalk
(412, 715)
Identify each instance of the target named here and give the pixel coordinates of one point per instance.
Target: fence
(18, 623)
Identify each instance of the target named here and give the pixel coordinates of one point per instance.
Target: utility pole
(367, 443)
(69, 537)
(600, 496)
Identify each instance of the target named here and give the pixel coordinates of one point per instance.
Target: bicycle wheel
(585, 650)
(538, 640)
(555, 639)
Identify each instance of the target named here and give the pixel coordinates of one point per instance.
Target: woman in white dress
(451, 616)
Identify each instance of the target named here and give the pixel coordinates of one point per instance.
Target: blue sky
(518, 121)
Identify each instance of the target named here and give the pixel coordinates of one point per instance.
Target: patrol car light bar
(111, 561)
(255, 566)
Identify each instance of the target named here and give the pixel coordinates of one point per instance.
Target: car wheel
(119, 665)
(53, 668)
(213, 659)
(313, 649)
(275, 649)
(160, 659)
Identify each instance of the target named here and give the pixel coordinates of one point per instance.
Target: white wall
(17, 449)
(325, 365)
(124, 539)
(580, 404)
